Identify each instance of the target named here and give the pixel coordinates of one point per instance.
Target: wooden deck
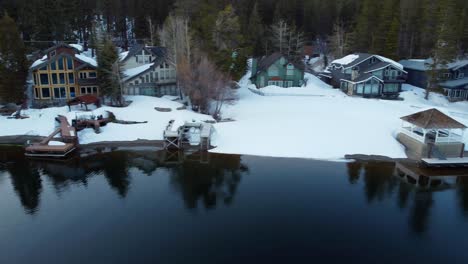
(176, 135)
(68, 138)
(448, 162)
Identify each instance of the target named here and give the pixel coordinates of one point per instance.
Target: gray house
(278, 70)
(453, 79)
(366, 75)
(156, 78)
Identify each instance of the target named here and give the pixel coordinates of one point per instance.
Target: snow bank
(346, 60)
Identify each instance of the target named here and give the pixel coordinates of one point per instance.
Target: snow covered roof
(39, 62)
(134, 72)
(346, 60)
(363, 78)
(264, 63)
(424, 64)
(77, 47)
(462, 83)
(433, 119)
(123, 55)
(86, 59)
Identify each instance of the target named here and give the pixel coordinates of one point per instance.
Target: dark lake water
(148, 206)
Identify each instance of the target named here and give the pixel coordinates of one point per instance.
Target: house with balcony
(277, 70)
(63, 73)
(157, 78)
(453, 79)
(366, 75)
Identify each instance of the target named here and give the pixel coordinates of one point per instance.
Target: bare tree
(207, 87)
(338, 41)
(175, 35)
(279, 33)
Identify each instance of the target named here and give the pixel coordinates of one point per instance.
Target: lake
(148, 206)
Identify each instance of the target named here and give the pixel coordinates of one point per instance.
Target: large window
(69, 63)
(54, 78)
(71, 78)
(276, 83)
(72, 92)
(92, 75)
(62, 78)
(391, 87)
(53, 66)
(60, 93)
(45, 92)
(273, 71)
(290, 69)
(44, 78)
(60, 64)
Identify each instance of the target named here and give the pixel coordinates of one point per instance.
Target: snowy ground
(41, 122)
(325, 124)
(314, 121)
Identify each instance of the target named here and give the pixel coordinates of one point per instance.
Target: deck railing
(407, 131)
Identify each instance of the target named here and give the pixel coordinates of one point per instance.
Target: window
(72, 92)
(391, 88)
(82, 75)
(94, 90)
(290, 69)
(44, 78)
(273, 71)
(69, 63)
(43, 68)
(156, 76)
(71, 78)
(37, 93)
(89, 90)
(136, 82)
(60, 64)
(289, 84)
(35, 79)
(53, 66)
(92, 75)
(54, 78)
(83, 90)
(276, 83)
(60, 93)
(62, 78)
(45, 92)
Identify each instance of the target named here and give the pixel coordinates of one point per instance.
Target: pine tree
(445, 48)
(392, 39)
(255, 31)
(387, 19)
(13, 62)
(109, 72)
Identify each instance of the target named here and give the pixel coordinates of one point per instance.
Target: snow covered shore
(329, 125)
(314, 121)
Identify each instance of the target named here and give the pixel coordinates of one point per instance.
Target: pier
(188, 135)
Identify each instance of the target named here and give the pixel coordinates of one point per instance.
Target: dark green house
(277, 70)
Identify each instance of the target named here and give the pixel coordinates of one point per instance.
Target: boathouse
(432, 134)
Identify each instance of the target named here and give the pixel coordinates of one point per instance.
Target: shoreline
(21, 140)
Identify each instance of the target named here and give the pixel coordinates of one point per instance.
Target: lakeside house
(366, 75)
(63, 73)
(453, 79)
(148, 71)
(277, 70)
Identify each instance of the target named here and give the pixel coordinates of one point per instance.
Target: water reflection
(211, 181)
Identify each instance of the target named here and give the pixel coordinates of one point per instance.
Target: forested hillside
(394, 28)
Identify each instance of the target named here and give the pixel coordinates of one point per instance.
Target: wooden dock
(188, 135)
(61, 147)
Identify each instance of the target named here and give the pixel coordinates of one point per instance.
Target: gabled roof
(264, 63)
(433, 119)
(381, 65)
(156, 51)
(58, 45)
(424, 64)
(353, 60)
(86, 61)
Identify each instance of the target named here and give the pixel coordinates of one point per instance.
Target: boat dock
(447, 162)
(55, 147)
(188, 135)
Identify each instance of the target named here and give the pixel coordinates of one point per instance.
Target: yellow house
(63, 74)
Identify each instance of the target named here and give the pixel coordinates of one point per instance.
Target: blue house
(453, 79)
(278, 70)
(366, 75)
